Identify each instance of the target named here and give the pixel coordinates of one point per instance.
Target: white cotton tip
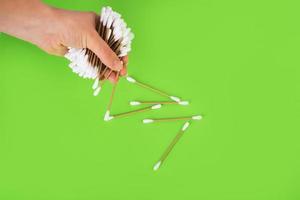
(109, 21)
(102, 12)
(68, 56)
(197, 117)
(157, 166)
(148, 121)
(126, 32)
(177, 99)
(108, 9)
(116, 15)
(107, 116)
(122, 54)
(72, 65)
(130, 36)
(134, 103)
(105, 18)
(96, 83)
(185, 126)
(97, 91)
(125, 41)
(183, 103)
(125, 49)
(116, 23)
(117, 34)
(157, 106)
(123, 24)
(130, 79)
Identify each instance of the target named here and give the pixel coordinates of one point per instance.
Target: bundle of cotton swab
(113, 30)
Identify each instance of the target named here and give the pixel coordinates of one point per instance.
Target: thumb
(96, 44)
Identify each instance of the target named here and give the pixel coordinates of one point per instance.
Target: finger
(57, 51)
(61, 51)
(125, 59)
(103, 51)
(107, 72)
(113, 78)
(123, 71)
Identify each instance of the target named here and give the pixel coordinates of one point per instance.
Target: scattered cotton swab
(148, 121)
(134, 81)
(171, 146)
(153, 107)
(137, 103)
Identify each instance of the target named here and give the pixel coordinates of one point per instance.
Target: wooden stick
(152, 89)
(136, 103)
(143, 85)
(171, 146)
(113, 93)
(153, 107)
(148, 121)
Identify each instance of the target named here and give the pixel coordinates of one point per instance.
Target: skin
(53, 30)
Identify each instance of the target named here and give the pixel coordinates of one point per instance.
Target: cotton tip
(130, 79)
(107, 116)
(177, 99)
(68, 55)
(109, 21)
(135, 103)
(156, 166)
(103, 10)
(157, 106)
(122, 54)
(108, 9)
(97, 91)
(117, 22)
(116, 15)
(148, 121)
(183, 103)
(185, 126)
(96, 83)
(197, 117)
(102, 13)
(117, 34)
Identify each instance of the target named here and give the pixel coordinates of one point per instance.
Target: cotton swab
(107, 116)
(153, 107)
(134, 81)
(137, 103)
(171, 146)
(148, 121)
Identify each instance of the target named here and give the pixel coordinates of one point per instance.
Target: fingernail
(118, 65)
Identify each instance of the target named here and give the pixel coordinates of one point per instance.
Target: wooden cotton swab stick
(153, 107)
(107, 116)
(171, 146)
(148, 121)
(137, 103)
(132, 80)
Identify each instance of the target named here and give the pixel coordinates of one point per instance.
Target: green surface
(238, 63)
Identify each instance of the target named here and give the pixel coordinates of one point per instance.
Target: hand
(53, 30)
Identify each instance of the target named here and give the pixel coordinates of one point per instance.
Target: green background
(236, 61)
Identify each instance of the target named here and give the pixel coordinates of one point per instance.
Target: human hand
(53, 30)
